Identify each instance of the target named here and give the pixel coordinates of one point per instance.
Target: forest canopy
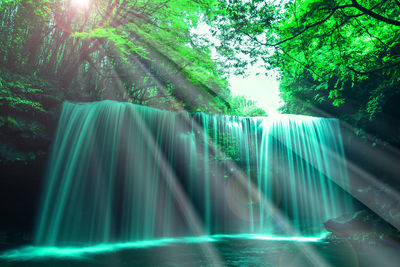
(336, 58)
(138, 51)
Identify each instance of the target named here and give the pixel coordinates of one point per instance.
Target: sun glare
(80, 3)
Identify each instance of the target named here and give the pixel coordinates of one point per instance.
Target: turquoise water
(43, 252)
(221, 251)
(122, 173)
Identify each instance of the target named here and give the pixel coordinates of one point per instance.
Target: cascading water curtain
(122, 172)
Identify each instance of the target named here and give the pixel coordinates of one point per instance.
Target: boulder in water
(365, 226)
(361, 221)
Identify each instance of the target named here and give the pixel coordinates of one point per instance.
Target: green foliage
(226, 146)
(241, 106)
(143, 52)
(340, 57)
(21, 93)
(138, 51)
(26, 109)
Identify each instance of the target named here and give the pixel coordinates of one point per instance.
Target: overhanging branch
(374, 15)
(308, 27)
(373, 71)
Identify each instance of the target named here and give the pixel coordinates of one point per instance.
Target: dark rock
(363, 226)
(361, 221)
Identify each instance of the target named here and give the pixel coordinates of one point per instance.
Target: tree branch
(301, 63)
(310, 26)
(370, 34)
(372, 71)
(373, 14)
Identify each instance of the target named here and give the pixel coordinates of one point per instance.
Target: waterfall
(123, 172)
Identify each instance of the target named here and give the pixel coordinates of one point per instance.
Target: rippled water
(230, 252)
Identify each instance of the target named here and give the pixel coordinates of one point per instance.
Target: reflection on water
(228, 251)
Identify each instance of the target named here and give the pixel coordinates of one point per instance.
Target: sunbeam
(151, 133)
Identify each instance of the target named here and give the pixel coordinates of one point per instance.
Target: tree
(138, 51)
(340, 57)
(304, 27)
(241, 106)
